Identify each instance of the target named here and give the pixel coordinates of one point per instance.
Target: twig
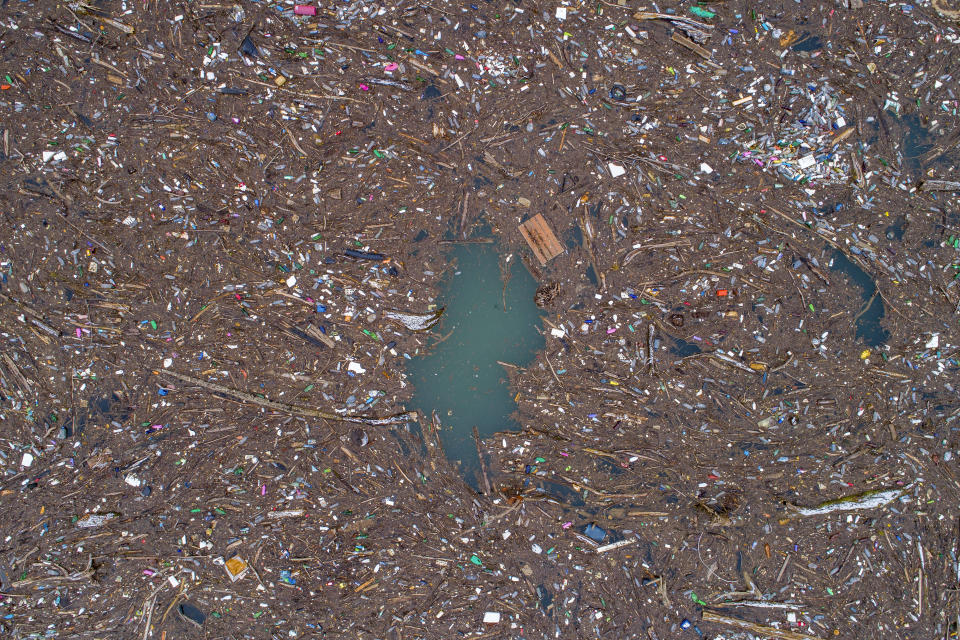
(294, 141)
(662, 590)
(152, 599)
(784, 363)
(601, 494)
(783, 567)
(650, 334)
(553, 371)
(315, 96)
(865, 307)
(483, 467)
(803, 300)
(710, 272)
(503, 514)
(107, 65)
(173, 603)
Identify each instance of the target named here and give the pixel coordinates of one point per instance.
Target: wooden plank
(554, 248)
(533, 245)
(693, 46)
(541, 239)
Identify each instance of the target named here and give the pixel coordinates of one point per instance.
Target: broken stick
(292, 409)
(753, 627)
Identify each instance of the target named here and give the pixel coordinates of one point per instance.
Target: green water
(869, 325)
(460, 377)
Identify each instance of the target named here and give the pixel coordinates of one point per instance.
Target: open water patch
(487, 318)
(868, 318)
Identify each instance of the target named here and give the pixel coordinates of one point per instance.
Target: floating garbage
(865, 500)
(442, 320)
(415, 321)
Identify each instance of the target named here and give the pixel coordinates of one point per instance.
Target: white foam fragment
(491, 617)
(807, 161)
(356, 367)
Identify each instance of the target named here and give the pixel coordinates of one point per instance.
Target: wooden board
(541, 239)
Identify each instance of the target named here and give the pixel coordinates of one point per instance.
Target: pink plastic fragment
(392, 66)
(305, 10)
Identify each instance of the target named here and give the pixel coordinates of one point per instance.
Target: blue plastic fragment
(594, 532)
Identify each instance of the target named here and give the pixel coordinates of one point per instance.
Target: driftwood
(940, 185)
(759, 629)
(65, 576)
(292, 409)
(861, 501)
(952, 14)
